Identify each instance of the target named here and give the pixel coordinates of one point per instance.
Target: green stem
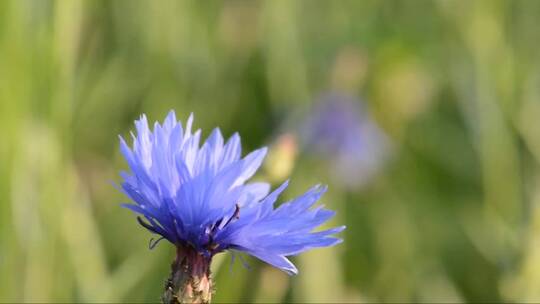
(190, 280)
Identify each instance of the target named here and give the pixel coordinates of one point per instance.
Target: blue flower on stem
(197, 197)
(341, 131)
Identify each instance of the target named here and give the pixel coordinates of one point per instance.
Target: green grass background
(453, 216)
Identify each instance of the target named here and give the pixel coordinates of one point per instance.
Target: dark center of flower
(213, 247)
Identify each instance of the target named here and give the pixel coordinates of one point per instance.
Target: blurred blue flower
(338, 129)
(198, 198)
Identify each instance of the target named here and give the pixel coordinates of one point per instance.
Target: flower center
(213, 247)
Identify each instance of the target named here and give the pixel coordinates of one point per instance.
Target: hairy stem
(190, 280)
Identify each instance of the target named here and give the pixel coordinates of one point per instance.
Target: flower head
(338, 129)
(198, 197)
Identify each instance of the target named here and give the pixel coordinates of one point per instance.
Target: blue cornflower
(197, 197)
(340, 130)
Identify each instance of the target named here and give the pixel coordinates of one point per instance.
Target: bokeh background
(423, 117)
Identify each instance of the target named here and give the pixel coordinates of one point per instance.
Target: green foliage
(453, 216)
